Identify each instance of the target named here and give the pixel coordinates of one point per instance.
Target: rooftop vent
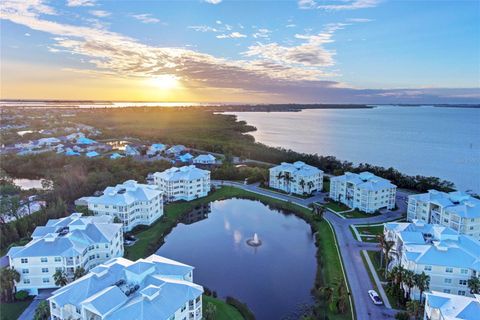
(63, 231)
(122, 191)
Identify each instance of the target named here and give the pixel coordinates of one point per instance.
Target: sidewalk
(377, 280)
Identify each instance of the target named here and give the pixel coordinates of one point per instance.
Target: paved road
(350, 248)
(29, 313)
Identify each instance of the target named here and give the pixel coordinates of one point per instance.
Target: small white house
(204, 159)
(131, 151)
(446, 306)
(155, 149)
(176, 149)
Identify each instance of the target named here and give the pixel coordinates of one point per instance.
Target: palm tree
(409, 281)
(210, 311)
(413, 308)
(386, 247)
(79, 272)
(8, 277)
(422, 281)
(327, 294)
(474, 285)
(279, 176)
(288, 179)
(381, 242)
(302, 184)
(42, 312)
(60, 278)
(310, 185)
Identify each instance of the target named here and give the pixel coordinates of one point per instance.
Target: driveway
(29, 313)
(350, 248)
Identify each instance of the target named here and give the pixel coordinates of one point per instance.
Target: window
(24, 260)
(428, 268)
(58, 269)
(449, 270)
(43, 259)
(46, 280)
(26, 281)
(462, 282)
(447, 280)
(464, 271)
(44, 270)
(79, 311)
(25, 271)
(58, 259)
(446, 290)
(461, 292)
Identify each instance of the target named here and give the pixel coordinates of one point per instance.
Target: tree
(386, 246)
(210, 311)
(474, 285)
(302, 184)
(422, 281)
(310, 185)
(327, 294)
(342, 297)
(43, 311)
(402, 315)
(78, 273)
(9, 207)
(8, 277)
(288, 179)
(60, 278)
(409, 281)
(413, 308)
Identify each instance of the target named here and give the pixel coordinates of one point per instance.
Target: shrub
(241, 307)
(21, 295)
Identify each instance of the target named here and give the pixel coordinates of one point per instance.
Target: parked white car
(374, 296)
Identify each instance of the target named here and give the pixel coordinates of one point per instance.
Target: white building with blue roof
(132, 202)
(448, 258)
(297, 177)
(185, 183)
(204, 159)
(154, 288)
(364, 191)
(65, 244)
(456, 210)
(445, 306)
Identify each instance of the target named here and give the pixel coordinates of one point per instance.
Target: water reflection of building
(199, 213)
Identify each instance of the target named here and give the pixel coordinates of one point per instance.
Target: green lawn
(337, 206)
(370, 230)
(331, 269)
(375, 258)
(11, 311)
(356, 214)
(224, 310)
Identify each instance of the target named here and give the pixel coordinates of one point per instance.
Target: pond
(27, 184)
(274, 279)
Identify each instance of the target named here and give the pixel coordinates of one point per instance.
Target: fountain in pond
(254, 242)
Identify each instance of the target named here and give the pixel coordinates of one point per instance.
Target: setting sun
(164, 81)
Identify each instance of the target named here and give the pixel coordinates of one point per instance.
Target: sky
(307, 51)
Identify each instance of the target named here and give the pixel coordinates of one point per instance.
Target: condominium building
(133, 203)
(448, 258)
(445, 306)
(456, 210)
(364, 191)
(65, 244)
(297, 177)
(185, 183)
(148, 289)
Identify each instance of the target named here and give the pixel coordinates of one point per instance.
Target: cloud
(146, 18)
(213, 1)
(359, 20)
(232, 35)
(262, 33)
(290, 25)
(99, 13)
(288, 74)
(26, 34)
(80, 3)
(310, 53)
(203, 28)
(338, 5)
